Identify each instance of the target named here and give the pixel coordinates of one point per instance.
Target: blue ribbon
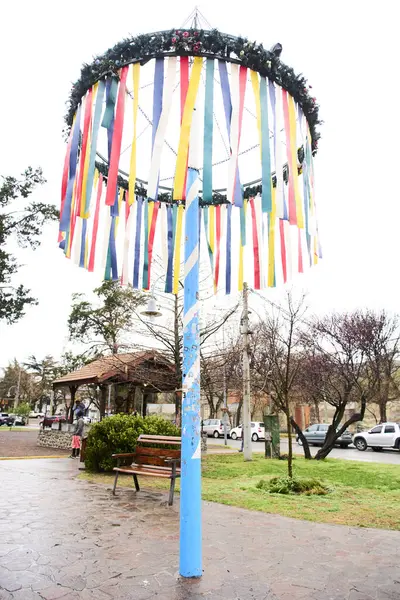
(137, 242)
(170, 242)
(65, 220)
(226, 97)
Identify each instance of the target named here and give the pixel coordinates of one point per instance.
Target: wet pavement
(24, 443)
(61, 537)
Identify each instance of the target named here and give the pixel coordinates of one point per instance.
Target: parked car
(48, 420)
(316, 434)
(385, 435)
(257, 431)
(17, 420)
(36, 415)
(215, 427)
(6, 419)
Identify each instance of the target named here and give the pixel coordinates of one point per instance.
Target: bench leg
(115, 482)
(135, 480)
(171, 492)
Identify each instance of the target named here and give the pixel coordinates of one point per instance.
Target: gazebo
(148, 371)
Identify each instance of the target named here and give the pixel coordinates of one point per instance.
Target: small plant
(23, 410)
(294, 485)
(119, 434)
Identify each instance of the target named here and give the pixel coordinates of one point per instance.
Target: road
(390, 457)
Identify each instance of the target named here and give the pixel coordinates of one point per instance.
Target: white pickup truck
(385, 435)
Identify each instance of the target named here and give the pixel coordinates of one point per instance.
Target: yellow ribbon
(293, 146)
(271, 241)
(120, 198)
(183, 148)
(177, 254)
(256, 89)
(87, 160)
(132, 170)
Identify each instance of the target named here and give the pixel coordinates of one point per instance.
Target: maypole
(190, 518)
(113, 222)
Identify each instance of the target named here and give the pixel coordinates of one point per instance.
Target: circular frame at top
(198, 42)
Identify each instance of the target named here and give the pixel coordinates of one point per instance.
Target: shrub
(295, 485)
(119, 434)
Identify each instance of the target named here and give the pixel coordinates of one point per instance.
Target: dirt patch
(24, 443)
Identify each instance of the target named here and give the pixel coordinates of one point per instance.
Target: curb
(30, 457)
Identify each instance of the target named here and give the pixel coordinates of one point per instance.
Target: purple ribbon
(137, 242)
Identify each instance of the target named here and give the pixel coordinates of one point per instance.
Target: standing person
(77, 436)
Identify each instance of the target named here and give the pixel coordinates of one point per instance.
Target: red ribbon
(300, 252)
(283, 249)
(242, 90)
(256, 248)
(117, 139)
(151, 239)
(86, 126)
(292, 200)
(95, 224)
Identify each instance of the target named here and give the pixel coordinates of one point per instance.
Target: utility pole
(246, 376)
(16, 401)
(225, 398)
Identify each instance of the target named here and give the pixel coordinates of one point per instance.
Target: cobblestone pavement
(61, 537)
(24, 443)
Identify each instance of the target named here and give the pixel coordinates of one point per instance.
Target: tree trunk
(332, 435)
(306, 447)
(103, 400)
(382, 410)
(290, 445)
(239, 412)
(70, 417)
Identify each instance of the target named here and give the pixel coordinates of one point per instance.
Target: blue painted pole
(190, 564)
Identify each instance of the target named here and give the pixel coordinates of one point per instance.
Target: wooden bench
(152, 462)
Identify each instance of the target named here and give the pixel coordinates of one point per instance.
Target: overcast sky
(349, 51)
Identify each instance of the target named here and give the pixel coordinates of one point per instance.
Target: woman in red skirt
(77, 437)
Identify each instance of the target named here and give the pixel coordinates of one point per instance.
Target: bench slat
(150, 473)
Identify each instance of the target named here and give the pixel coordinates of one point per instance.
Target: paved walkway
(24, 443)
(65, 538)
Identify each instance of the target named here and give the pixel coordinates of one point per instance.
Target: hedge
(118, 434)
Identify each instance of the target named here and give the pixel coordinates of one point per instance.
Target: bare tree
(280, 333)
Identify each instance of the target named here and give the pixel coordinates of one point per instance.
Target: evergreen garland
(195, 42)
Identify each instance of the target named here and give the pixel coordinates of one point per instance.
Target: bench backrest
(167, 447)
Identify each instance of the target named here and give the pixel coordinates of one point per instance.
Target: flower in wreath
(185, 34)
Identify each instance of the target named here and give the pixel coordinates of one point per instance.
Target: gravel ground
(23, 443)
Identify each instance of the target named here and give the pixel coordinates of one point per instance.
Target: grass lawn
(363, 495)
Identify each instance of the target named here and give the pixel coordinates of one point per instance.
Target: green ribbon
(110, 104)
(266, 198)
(208, 131)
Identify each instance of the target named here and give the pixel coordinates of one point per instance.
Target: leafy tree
(22, 221)
(13, 373)
(43, 372)
(23, 409)
(102, 323)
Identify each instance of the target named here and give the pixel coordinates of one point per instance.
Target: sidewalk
(65, 538)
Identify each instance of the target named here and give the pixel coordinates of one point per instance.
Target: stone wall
(55, 439)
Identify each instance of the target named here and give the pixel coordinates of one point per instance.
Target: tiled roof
(108, 367)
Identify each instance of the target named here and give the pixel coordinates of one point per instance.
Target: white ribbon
(161, 129)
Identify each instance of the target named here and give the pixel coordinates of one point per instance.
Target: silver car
(215, 427)
(316, 434)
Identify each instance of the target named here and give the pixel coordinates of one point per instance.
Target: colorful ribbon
(132, 170)
(208, 131)
(183, 148)
(117, 139)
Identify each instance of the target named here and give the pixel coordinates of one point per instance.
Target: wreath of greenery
(193, 42)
